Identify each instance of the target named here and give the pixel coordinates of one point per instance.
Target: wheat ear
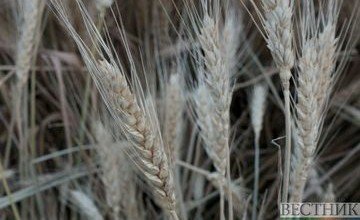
(136, 121)
(150, 153)
(110, 162)
(277, 21)
(30, 14)
(316, 67)
(217, 81)
(205, 108)
(220, 45)
(217, 85)
(174, 108)
(257, 110)
(28, 38)
(118, 179)
(174, 128)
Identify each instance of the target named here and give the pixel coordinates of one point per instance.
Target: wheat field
(177, 109)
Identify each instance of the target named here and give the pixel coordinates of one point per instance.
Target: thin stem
(193, 168)
(230, 201)
(287, 158)
(256, 180)
(222, 203)
(180, 195)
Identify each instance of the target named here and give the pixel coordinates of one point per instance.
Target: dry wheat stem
(30, 12)
(257, 110)
(277, 20)
(230, 190)
(316, 67)
(29, 28)
(217, 180)
(218, 90)
(205, 119)
(216, 84)
(151, 157)
(220, 46)
(231, 35)
(287, 157)
(131, 115)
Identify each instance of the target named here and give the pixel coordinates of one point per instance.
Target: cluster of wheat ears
(164, 109)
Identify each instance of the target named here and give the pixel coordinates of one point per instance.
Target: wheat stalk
(151, 156)
(31, 12)
(215, 90)
(231, 190)
(277, 22)
(220, 45)
(26, 46)
(279, 34)
(257, 110)
(214, 127)
(216, 86)
(134, 119)
(316, 68)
